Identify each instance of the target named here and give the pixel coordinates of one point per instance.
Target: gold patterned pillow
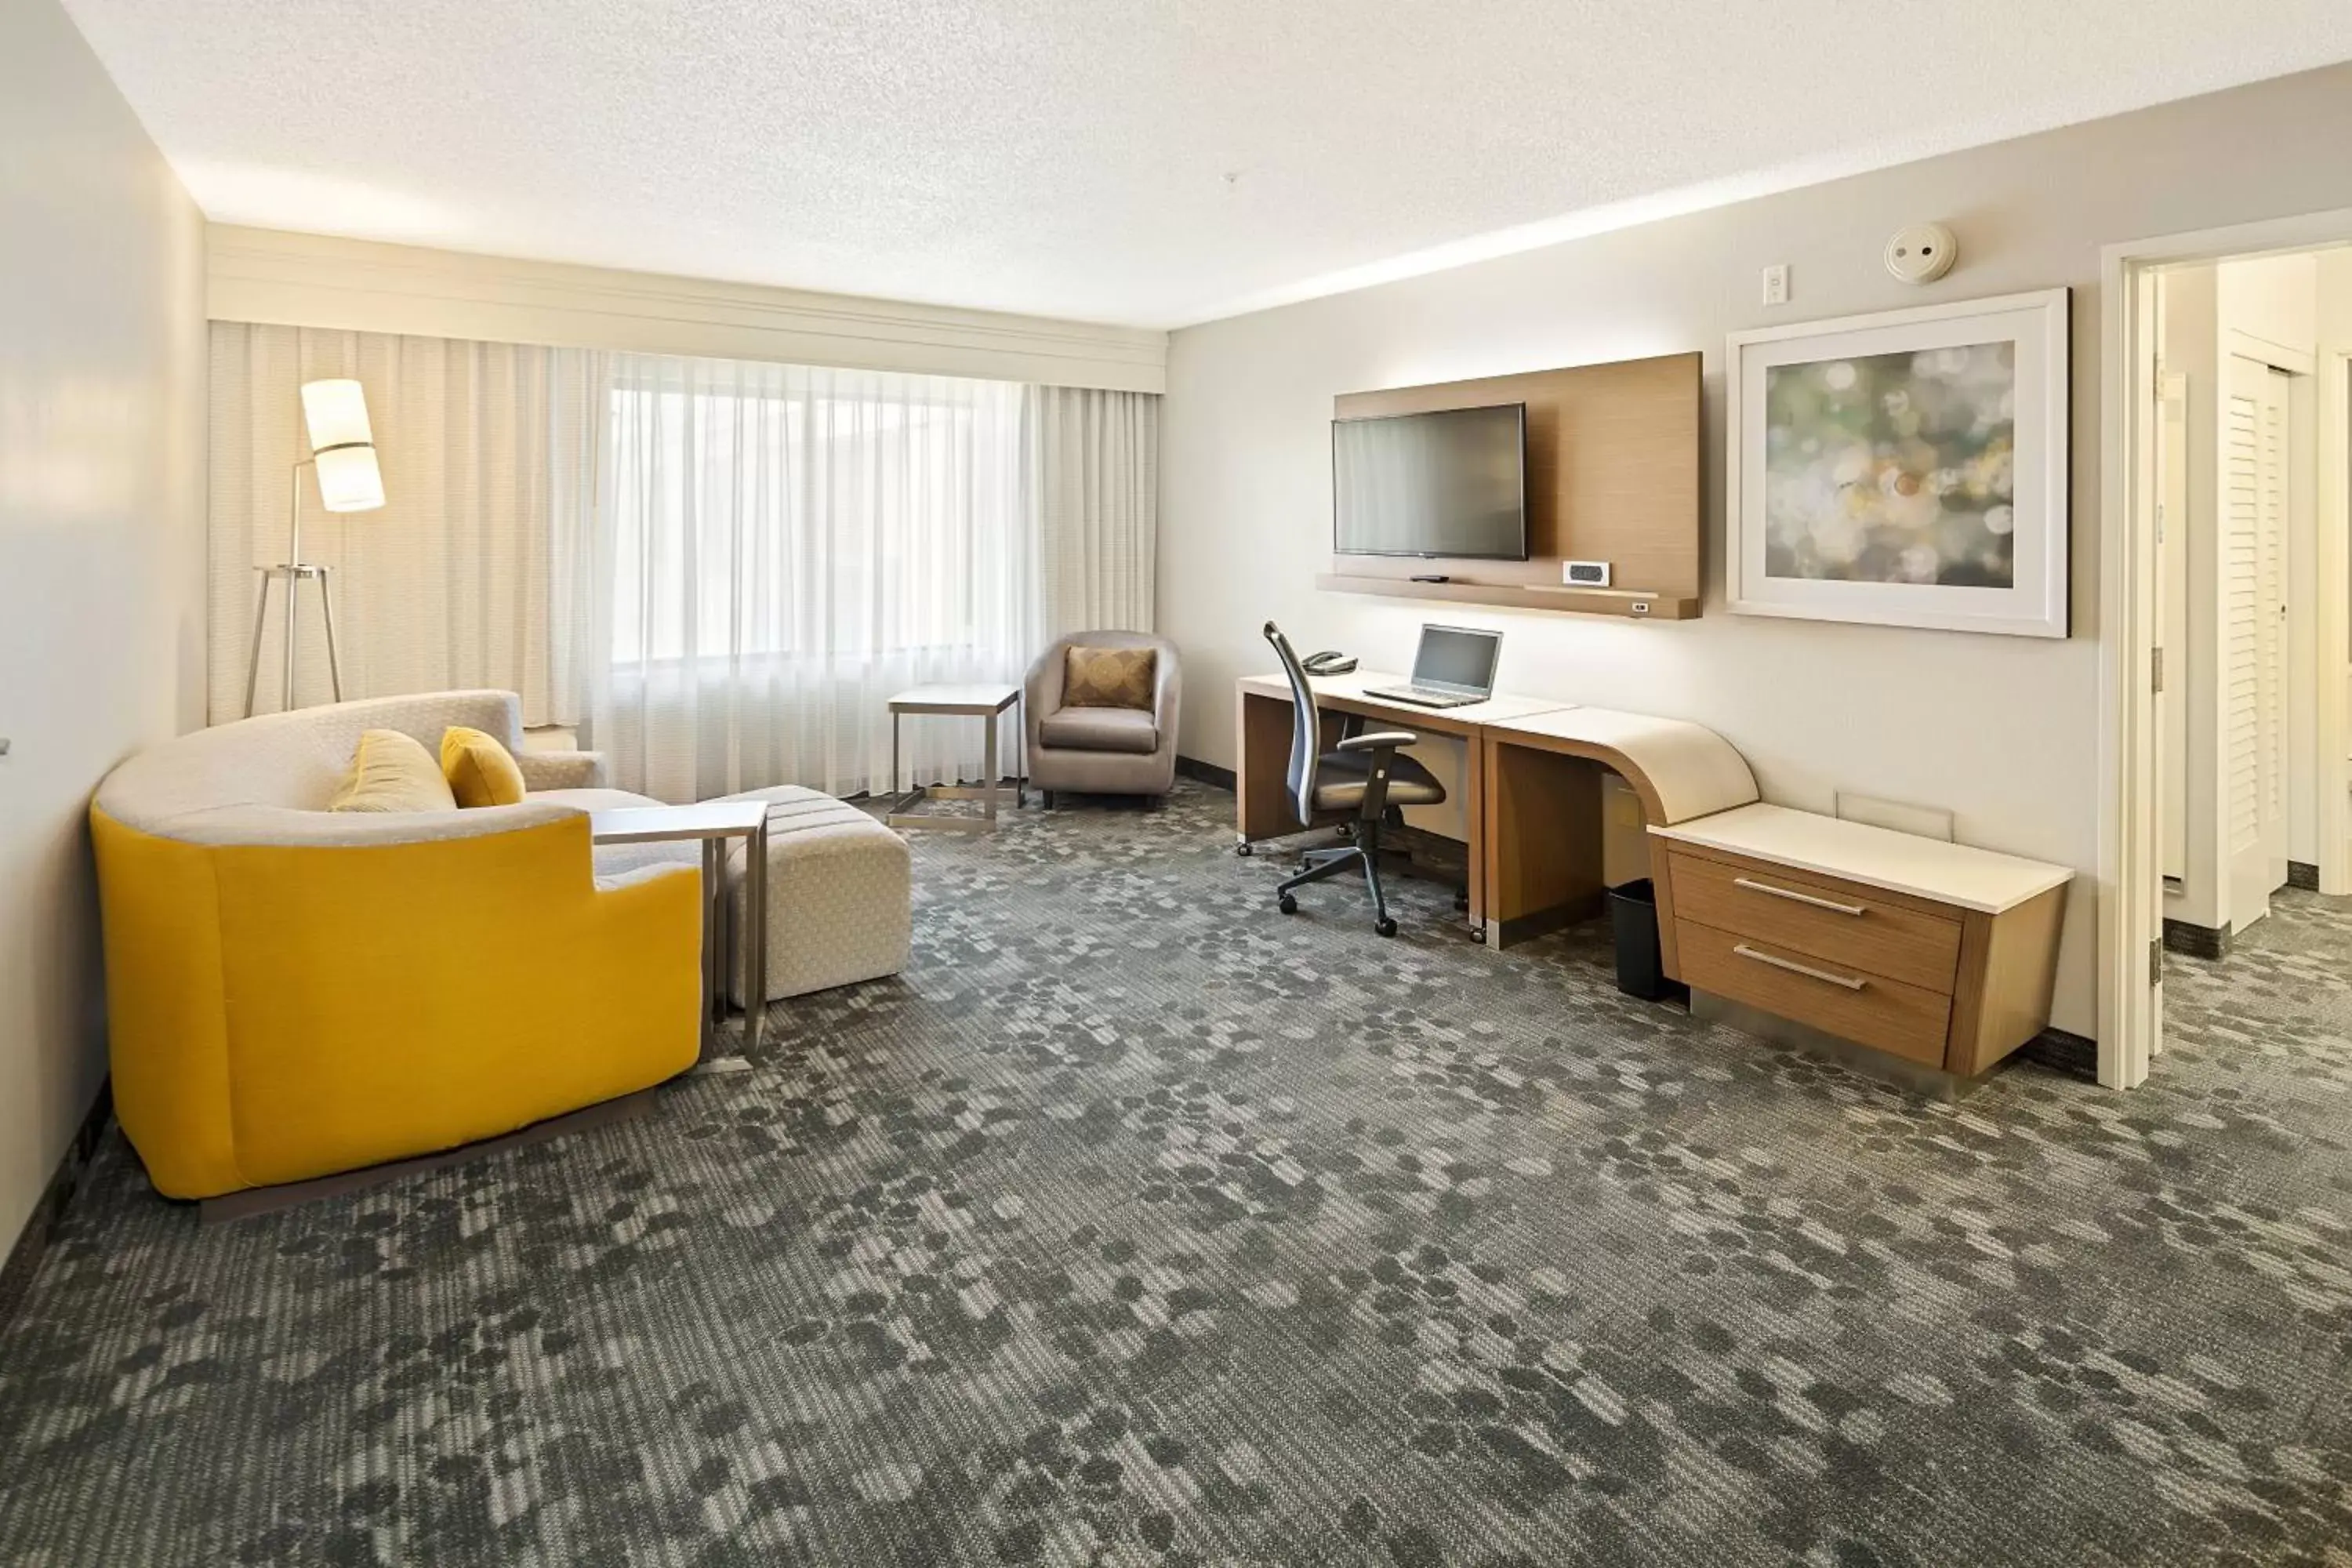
(1110, 676)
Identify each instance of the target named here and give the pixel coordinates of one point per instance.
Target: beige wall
(271, 278)
(101, 541)
(2000, 730)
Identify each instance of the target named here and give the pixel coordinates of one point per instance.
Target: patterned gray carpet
(1140, 1225)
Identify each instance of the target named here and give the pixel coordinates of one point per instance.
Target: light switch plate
(1776, 284)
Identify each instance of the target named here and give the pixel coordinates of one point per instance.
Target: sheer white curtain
(1090, 479)
(721, 570)
(470, 575)
(778, 549)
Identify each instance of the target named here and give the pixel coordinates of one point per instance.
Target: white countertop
(1350, 688)
(1958, 874)
(1694, 770)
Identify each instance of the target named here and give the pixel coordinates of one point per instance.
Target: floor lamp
(342, 455)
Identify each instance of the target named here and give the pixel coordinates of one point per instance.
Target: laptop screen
(1456, 659)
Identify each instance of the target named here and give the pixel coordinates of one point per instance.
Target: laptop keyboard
(1421, 696)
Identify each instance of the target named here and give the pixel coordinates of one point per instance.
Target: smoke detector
(1922, 252)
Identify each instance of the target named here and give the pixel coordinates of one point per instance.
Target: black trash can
(1633, 915)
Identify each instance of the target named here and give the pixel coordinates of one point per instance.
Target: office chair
(1365, 784)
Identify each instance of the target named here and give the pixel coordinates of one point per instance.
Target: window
(779, 512)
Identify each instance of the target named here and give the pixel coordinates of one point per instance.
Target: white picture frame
(2034, 601)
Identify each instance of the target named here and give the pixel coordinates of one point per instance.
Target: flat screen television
(1450, 483)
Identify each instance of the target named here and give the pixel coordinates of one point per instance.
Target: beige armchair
(1102, 751)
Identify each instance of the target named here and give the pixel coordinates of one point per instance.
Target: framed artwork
(1907, 469)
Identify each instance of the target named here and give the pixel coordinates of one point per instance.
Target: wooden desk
(1939, 953)
(1261, 775)
(1541, 830)
(1533, 783)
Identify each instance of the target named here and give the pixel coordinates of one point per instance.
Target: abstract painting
(1894, 468)
(1909, 469)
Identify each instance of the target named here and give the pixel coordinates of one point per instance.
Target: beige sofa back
(268, 779)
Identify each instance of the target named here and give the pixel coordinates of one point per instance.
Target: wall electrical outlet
(1776, 284)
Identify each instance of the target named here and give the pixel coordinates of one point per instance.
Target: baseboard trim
(2076, 1055)
(2209, 943)
(1204, 773)
(40, 1227)
(2303, 874)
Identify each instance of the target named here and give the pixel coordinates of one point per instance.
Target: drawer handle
(1793, 967)
(1794, 897)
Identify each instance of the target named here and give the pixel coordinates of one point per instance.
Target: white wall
(2000, 730)
(2335, 298)
(2273, 298)
(271, 278)
(101, 541)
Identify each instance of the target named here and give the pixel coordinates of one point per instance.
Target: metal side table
(713, 823)
(986, 703)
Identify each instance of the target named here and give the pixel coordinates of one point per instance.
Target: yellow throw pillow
(480, 771)
(393, 772)
(1110, 676)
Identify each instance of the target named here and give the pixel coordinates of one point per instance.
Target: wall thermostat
(1584, 574)
(1922, 252)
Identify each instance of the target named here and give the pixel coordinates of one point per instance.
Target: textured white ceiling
(1106, 160)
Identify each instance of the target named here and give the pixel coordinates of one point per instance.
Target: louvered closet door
(2253, 634)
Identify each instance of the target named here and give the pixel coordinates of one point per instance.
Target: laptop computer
(1452, 667)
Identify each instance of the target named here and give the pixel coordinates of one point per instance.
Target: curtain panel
(471, 572)
(1090, 478)
(720, 570)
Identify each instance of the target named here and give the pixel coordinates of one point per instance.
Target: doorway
(2226, 601)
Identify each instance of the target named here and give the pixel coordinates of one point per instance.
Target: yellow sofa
(294, 992)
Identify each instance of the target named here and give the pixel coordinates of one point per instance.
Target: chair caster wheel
(1244, 850)
(1286, 904)
(1385, 926)
(1479, 936)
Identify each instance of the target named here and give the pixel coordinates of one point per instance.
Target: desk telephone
(1330, 661)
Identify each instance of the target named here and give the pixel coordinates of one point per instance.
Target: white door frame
(2331, 733)
(2131, 868)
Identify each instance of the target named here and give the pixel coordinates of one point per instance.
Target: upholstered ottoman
(838, 891)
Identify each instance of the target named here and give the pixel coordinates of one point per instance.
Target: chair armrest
(1380, 739)
(561, 770)
(1040, 692)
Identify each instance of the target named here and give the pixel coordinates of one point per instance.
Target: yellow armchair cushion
(480, 771)
(392, 772)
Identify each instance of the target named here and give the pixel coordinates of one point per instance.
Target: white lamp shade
(349, 479)
(336, 413)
